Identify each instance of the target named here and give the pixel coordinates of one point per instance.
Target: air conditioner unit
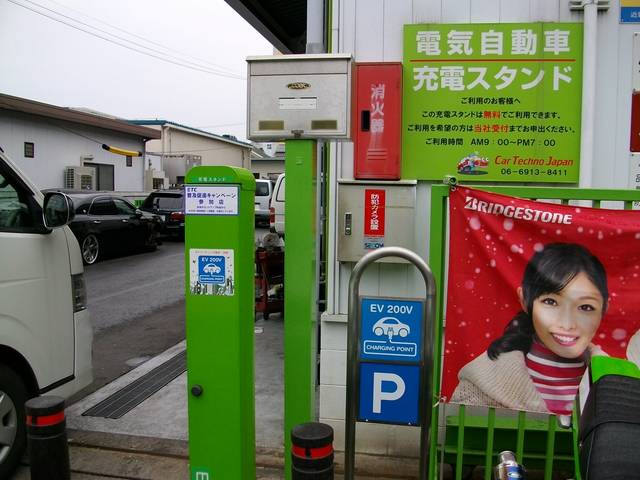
(80, 178)
(192, 161)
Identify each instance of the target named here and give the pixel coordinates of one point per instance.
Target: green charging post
(219, 257)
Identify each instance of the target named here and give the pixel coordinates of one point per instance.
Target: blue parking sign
(389, 393)
(211, 269)
(391, 330)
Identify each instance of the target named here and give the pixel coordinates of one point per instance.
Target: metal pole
(353, 373)
(301, 288)
(315, 27)
(590, 53)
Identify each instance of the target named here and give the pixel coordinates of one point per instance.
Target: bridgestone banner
(535, 290)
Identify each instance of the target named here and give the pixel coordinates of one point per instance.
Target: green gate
(464, 439)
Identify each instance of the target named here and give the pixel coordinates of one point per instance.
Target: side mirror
(138, 213)
(57, 210)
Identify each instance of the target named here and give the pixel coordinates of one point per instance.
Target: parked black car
(169, 204)
(106, 223)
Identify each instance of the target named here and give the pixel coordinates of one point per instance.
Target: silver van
(276, 209)
(264, 189)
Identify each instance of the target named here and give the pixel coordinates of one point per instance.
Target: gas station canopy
(281, 22)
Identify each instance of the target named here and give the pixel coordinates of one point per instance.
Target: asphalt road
(137, 309)
(125, 288)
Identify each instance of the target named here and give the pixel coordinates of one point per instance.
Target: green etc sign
(494, 102)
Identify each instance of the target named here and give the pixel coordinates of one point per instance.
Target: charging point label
(391, 329)
(211, 269)
(211, 272)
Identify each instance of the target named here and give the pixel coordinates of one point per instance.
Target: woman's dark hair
(548, 271)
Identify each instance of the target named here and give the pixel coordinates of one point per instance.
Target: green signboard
(492, 102)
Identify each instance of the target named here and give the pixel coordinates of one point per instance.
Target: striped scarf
(555, 378)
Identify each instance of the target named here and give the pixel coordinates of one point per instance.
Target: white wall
(213, 152)
(178, 141)
(266, 167)
(56, 146)
(371, 30)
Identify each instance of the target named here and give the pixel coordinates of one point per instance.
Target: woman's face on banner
(567, 321)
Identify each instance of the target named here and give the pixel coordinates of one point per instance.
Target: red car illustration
(472, 164)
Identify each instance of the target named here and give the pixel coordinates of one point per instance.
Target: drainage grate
(127, 398)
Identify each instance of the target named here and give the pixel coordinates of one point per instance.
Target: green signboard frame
(492, 102)
(219, 303)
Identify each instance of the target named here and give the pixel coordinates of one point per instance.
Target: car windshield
(163, 202)
(262, 189)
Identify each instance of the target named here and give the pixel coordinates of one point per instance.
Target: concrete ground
(96, 464)
(143, 445)
(170, 403)
(150, 441)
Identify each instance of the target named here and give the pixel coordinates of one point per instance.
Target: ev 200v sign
(390, 345)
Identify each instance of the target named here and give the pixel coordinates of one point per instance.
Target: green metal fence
(463, 439)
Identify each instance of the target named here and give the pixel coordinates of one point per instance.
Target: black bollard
(312, 452)
(47, 439)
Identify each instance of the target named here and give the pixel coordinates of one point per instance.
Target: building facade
(180, 147)
(48, 142)
(267, 161)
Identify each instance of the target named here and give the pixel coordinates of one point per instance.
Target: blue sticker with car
(211, 269)
(391, 329)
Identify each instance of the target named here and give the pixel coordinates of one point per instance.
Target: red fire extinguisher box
(377, 120)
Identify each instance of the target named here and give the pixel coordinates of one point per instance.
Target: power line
(180, 61)
(74, 132)
(57, 125)
(204, 70)
(200, 60)
(182, 152)
(119, 37)
(175, 153)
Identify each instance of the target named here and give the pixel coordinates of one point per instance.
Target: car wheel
(378, 331)
(13, 395)
(90, 249)
(403, 332)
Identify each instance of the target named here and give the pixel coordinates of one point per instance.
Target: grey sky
(48, 61)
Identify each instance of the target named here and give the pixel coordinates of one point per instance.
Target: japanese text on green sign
(497, 102)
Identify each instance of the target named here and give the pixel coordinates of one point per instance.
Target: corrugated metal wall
(371, 30)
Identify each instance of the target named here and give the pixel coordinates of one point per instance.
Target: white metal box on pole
(299, 96)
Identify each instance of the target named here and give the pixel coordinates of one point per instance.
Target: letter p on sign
(389, 393)
(379, 395)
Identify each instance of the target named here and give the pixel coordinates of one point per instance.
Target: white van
(264, 189)
(276, 209)
(45, 331)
